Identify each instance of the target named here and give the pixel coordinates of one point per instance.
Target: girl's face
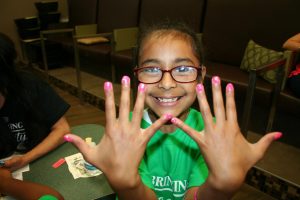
(168, 96)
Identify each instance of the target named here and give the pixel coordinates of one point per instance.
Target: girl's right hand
(123, 144)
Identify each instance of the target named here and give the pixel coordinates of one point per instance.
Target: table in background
(41, 171)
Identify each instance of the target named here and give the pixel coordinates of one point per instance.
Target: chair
(29, 32)
(46, 6)
(123, 41)
(277, 87)
(84, 34)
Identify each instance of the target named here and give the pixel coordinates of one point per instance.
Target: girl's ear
(203, 73)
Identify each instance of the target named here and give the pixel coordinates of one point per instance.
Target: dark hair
(167, 27)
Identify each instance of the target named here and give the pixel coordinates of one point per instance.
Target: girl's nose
(167, 82)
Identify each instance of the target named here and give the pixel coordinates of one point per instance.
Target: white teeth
(167, 100)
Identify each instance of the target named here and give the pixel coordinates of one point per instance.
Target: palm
(121, 148)
(227, 153)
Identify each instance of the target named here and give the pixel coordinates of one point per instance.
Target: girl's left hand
(15, 163)
(121, 148)
(227, 153)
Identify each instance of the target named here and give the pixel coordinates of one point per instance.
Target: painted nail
(229, 87)
(277, 135)
(168, 116)
(199, 88)
(107, 86)
(125, 80)
(2, 163)
(216, 80)
(67, 138)
(174, 120)
(141, 87)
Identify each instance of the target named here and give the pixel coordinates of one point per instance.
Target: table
(41, 170)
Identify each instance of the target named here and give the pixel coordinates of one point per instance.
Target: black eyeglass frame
(199, 69)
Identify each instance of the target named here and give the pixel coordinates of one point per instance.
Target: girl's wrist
(121, 181)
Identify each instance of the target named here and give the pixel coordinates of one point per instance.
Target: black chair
(46, 6)
(48, 18)
(28, 27)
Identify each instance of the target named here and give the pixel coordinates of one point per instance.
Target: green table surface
(41, 171)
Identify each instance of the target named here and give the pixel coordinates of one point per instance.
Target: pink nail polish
(174, 120)
(168, 116)
(277, 135)
(199, 88)
(67, 138)
(141, 87)
(216, 80)
(125, 80)
(107, 86)
(229, 87)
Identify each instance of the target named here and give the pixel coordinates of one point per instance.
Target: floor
(281, 161)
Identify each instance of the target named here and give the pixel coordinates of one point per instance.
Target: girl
(169, 150)
(31, 114)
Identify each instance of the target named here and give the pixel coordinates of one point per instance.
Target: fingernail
(168, 116)
(199, 88)
(174, 120)
(125, 80)
(107, 86)
(277, 135)
(141, 87)
(216, 80)
(229, 87)
(2, 163)
(67, 138)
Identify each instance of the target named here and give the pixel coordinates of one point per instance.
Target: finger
(139, 104)
(218, 100)
(125, 101)
(230, 104)
(262, 145)
(197, 137)
(156, 125)
(110, 109)
(204, 106)
(78, 142)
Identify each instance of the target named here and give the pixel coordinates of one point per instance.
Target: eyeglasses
(181, 74)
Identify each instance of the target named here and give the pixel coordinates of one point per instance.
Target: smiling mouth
(167, 100)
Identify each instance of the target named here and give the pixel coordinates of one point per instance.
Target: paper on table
(77, 167)
(18, 173)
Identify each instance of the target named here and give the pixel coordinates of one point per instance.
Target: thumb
(262, 145)
(78, 142)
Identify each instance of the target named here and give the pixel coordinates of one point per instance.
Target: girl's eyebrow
(178, 60)
(156, 61)
(151, 60)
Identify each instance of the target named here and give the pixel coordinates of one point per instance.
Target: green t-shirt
(173, 162)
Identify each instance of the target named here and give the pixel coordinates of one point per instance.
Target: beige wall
(13, 9)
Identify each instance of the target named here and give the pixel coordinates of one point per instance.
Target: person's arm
(24, 190)
(293, 43)
(54, 139)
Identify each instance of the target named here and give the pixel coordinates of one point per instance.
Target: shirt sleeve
(52, 106)
(48, 104)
